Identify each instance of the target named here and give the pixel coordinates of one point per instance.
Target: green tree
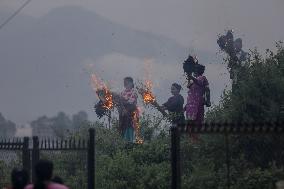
(260, 91)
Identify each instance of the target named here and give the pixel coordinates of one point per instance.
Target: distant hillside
(41, 59)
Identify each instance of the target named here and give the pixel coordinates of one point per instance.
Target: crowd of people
(44, 178)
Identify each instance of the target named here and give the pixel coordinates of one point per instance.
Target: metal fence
(74, 158)
(240, 155)
(11, 155)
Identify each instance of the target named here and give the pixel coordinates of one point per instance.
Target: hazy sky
(190, 22)
(41, 70)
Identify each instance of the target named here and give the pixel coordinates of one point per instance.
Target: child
(127, 110)
(174, 105)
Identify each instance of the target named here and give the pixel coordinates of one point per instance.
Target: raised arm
(196, 81)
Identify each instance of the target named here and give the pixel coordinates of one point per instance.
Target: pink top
(195, 100)
(50, 186)
(129, 95)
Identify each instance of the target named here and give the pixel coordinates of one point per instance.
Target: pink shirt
(130, 95)
(50, 186)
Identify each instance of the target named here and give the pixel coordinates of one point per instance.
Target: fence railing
(224, 129)
(31, 153)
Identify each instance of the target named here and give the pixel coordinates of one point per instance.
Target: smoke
(112, 68)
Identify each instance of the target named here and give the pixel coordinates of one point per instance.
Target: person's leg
(129, 134)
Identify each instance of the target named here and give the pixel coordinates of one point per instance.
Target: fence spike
(70, 141)
(20, 143)
(56, 143)
(84, 143)
(45, 143)
(41, 144)
(11, 143)
(61, 143)
(48, 141)
(79, 143)
(74, 143)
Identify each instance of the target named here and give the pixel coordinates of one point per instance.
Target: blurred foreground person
(43, 171)
(19, 179)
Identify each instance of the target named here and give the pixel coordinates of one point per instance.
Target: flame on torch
(103, 92)
(108, 103)
(137, 127)
(149, 98)
(146, 92)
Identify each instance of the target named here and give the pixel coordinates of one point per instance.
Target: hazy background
(50, 49)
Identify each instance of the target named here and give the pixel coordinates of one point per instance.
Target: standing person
(237, 64)
(198, 95)
(128, 110)
(174, 105)
(43, 172)
(19, 179)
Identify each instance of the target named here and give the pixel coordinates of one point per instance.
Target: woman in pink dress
(198, 86)
(43, 171)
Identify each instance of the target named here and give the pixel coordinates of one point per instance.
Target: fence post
(35, 155)
(228, 160)
(26, 156)
(175, 158)
(91, 159)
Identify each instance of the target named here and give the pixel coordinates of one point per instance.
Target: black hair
(129, 79)
(189, 65)
(43, 171)
(177, 86)
(239, 40)
(19, 178)
(199, 69)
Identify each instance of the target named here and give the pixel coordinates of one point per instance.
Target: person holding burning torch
(128, 110)
(174, 105)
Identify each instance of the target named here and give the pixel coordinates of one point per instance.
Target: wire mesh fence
(10, 157)
(69, 165)
(73, 159)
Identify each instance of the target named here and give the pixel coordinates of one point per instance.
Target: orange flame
(137, 127)
(146, 89)
(108, 103)
(96, 82)
(147, 95)
(105, 94)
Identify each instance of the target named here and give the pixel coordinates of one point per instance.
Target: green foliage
(125, 165)
(259, 94)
